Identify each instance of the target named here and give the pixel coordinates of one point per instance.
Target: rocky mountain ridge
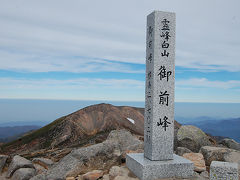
(106, 160)
(110, 133)
(76, 129)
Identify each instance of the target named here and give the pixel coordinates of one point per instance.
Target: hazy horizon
(41, 112)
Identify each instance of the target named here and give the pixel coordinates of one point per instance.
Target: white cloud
(205, 83)
(75, 89)
(42, 63)
(80, 83)
(36, 33)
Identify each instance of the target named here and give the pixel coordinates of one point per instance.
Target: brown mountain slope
(80, 127)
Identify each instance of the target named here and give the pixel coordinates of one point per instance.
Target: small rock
(46, 163)
(70, 178)
(94, 175)
(182, 150)
(125, 139)
(17, 163)
(79, 177)
(230, 143)
(3, 159)
(106, 177)
(118, 171)
(214, 153)
(192, 138)
(223, 170)
(124, 178)
(196, 176)
(23, 174)
(39, 169)
(3, 176)
(117, 152)
(204, 174)
(197, 159)
(233, 157)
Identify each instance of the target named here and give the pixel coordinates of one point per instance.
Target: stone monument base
(146, 169)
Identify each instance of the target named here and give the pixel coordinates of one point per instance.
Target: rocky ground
(106, 160)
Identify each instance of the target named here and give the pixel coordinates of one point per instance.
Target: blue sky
(95, 50)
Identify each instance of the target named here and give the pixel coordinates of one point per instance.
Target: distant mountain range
(226, 127)
(10, 133)
(23, 123)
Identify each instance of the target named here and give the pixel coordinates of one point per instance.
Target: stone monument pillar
(159, 96)
(158, 160)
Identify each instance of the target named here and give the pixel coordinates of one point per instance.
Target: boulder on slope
(17, 163)
(23, 174)
(93, 175)
(182, 150)
(45, 162)
(86, 159)
(233, 156)
(230, 143)
(192, 138)
(126, 141)
(198, 160)
(3, 159)
(211, 153)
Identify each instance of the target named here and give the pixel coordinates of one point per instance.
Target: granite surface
(223, 171)
(159, 91)
(146, 169)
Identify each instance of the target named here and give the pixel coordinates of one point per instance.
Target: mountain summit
(90, 123)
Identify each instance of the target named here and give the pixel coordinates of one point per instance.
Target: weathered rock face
(106, 177)
(124, 178)
(230, 143)
(118, 171)
(126, 141)
(182, 150)
(176, 128)
(71, 178)
(17, 163)
(204, 174)
(233, 156)
(23, 174)
(196, 176)
(192, 138)
(74, 163)
(198, 160)
(46, 163)
(39, 169)
(214, 153)
(86, 159)
(223, 170)
(3, 159)
(93, 175)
